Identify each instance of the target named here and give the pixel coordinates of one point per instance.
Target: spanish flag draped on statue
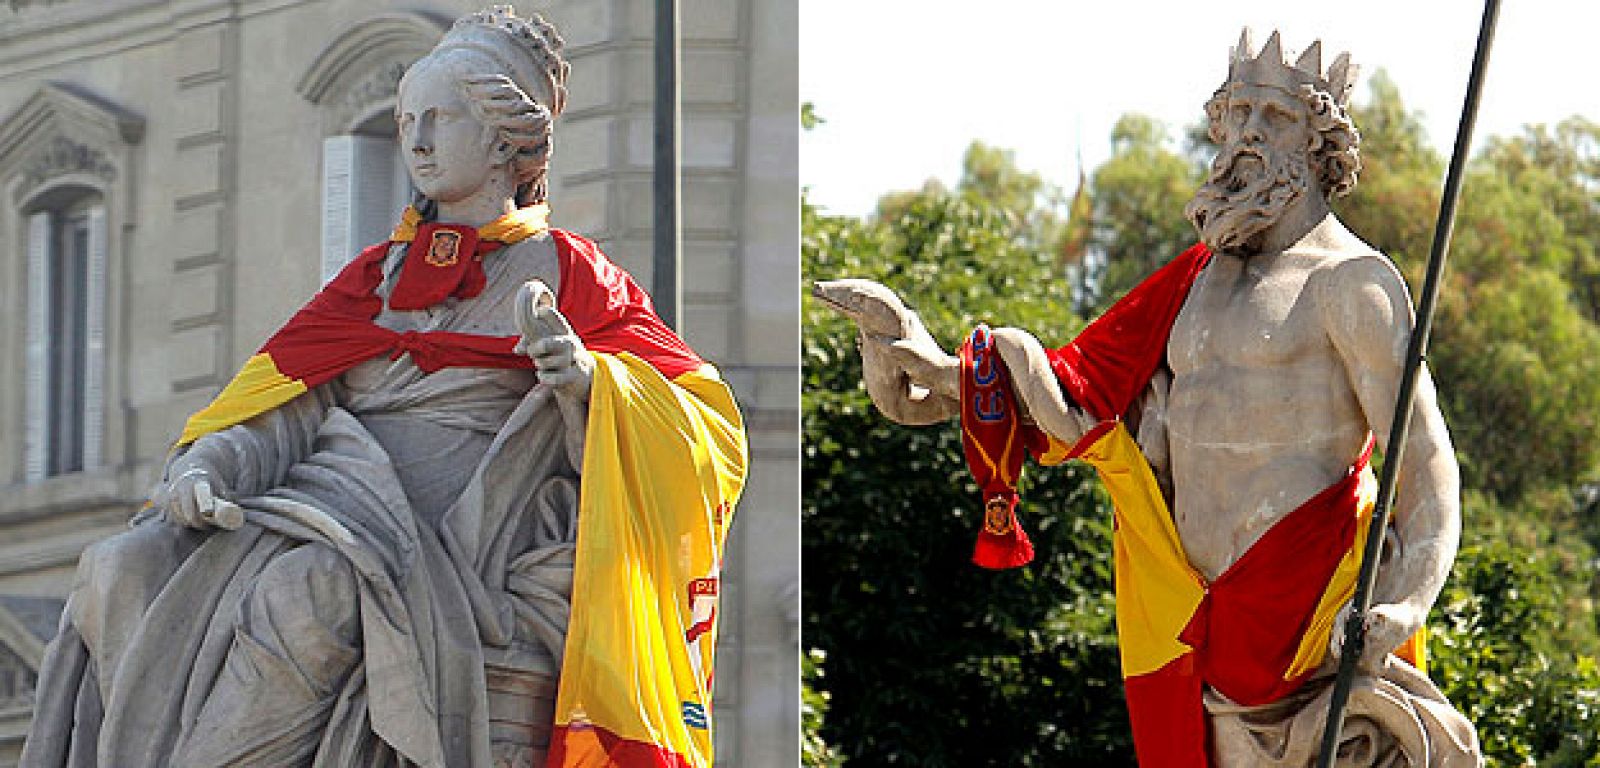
(665, 460)
(1257, 631)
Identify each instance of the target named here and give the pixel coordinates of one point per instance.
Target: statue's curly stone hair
(522, 122)
(536, 40)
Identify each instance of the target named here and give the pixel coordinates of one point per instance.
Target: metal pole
(666, 283)
(1355, 628)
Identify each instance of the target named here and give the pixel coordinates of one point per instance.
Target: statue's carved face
(1262, 167)
(449, 153)
(1258, 115)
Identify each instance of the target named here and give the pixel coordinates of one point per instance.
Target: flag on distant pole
(1080, 218)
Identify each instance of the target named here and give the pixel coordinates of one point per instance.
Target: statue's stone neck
(1296, 222)
(494, 199)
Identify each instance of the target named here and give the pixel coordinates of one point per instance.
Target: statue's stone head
(1283, 132)
(481, 103)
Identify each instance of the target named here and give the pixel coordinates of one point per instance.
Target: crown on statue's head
(530, 48)
(1271, 68)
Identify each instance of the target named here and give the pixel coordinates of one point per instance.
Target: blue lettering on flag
(990, 409)
(694, 716)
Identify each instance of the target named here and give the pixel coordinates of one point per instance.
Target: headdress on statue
(528, 49)
(1325, 93)
(1271, 68)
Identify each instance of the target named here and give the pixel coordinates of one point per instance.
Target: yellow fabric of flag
(257, 388)
(1157, 589)
(513, 227)
(664, 464)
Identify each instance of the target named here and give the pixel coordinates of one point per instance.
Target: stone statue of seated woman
(466, 508)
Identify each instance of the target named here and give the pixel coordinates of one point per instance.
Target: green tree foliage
(1515, 346)
(814, 749)
(1505, 647)
(934, 662)
(809, 119)
(1139, 196)
(1516, 355)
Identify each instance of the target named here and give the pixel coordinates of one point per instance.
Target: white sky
(905, 85)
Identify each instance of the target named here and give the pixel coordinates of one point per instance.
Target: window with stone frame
(66, 190)
(66, 249)
(364, 188)
(353, 82)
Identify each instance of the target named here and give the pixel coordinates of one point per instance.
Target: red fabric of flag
(442, 260)
(1246, 631)
(607, 309)
(611, 313)
(1111, 361)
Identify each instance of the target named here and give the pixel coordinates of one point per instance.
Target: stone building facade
(177, 177)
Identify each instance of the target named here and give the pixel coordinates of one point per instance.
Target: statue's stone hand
(195, 499)
(558, 354)
(909, 377)
(924, 361)
(875, 308)
(1388, 625)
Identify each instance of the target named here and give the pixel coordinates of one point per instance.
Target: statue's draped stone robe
(442, 506)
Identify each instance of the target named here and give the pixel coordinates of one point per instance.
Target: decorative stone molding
(72, 105)
(63, 156)
(18, 6)
(63, 130)
(381, 85)
(25, 627)
(361, 68)
(16, 681)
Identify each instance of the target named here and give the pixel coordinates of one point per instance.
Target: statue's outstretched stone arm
(1368, 317)
(909, 377)
(1037, 388)
(913, 380)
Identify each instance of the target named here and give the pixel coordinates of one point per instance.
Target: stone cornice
(44, 39)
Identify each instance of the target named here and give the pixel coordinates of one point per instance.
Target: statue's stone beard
(1240, 201)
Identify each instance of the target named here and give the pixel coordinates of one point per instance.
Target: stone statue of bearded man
(1230, 403)
(466, 508)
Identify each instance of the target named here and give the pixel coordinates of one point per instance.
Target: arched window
(353, 81)
(65, 189)
(364, 188)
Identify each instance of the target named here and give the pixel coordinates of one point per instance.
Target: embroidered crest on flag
(444, 249)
